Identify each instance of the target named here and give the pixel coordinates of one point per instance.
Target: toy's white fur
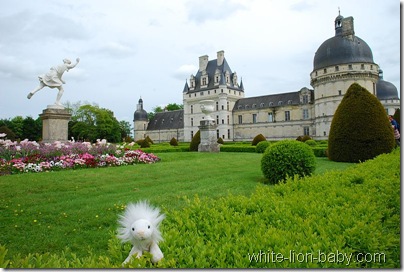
(139, 225)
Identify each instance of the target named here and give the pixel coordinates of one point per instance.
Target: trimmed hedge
(355, 212)
(238, 148)
(262, 146)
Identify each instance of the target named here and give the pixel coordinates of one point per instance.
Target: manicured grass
(47, 212)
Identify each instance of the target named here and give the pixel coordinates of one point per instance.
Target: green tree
(169, 107)
(92, 123)
(32, 129)
(360, 129)
(125, 128)
(17, 126)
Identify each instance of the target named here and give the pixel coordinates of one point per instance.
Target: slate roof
(211, 70)
(268, 101)
(167, 120)
(342, 49)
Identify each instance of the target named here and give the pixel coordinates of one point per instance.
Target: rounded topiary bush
(258, 138)
(360, 129)
(196, 140)
(262, 146)
(173, 142)
(287, 158)
(311, 142)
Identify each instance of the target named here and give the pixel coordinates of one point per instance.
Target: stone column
(55, 124)
(208, 137)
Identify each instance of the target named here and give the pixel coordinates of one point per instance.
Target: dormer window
(280, 103)
(289, 102)
(271, 104)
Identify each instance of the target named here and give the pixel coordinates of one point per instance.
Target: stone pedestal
(55, 121)
(208, 143)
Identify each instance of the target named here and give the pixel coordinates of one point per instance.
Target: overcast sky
(135, 48)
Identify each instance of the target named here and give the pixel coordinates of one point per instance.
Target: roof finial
(339, 11)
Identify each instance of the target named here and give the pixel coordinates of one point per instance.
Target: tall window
(204, 81)
(306, 131)
(270, 117)
(228, 134)
(305, 114)
(240, 119)
(305, 99)
(254, 118)
(192, 109)
(287, 115)
(192, 122)
(228, 119)
(217, 106)
(217, 119)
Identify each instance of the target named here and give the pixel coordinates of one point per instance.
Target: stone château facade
(339, 61)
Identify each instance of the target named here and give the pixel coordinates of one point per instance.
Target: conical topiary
(360, 129)
(196, 140)
(257, 139)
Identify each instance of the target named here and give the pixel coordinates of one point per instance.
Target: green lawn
(46, 212)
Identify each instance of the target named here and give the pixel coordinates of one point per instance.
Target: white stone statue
(53, 79)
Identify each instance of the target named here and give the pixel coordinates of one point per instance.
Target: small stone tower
(140, 122)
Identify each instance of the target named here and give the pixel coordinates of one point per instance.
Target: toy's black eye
(148, 226)
(133, 229)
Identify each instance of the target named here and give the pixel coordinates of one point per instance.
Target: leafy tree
(169, 107)
(17, 126)
(360, 129)
(125, 128)
(92, 123)
(32, 129)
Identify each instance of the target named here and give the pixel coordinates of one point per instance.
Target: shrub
(287, 158)
(149, 140)
(355, 212)
(311, 142)
(143, 143)
(257, 139)
(360, 129)
(320, 151)
(10, 135)
(238, 148)
(303, 138)
(220, 140)
(196, 140)
(173, 142)
(261, 146)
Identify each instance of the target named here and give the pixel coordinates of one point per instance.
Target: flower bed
(30, 156)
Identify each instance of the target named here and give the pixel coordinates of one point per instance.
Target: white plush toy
(139, 225)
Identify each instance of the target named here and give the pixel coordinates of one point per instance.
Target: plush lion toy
(139, 225)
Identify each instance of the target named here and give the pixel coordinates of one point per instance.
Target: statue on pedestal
(53, 79)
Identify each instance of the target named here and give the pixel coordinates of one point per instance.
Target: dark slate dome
(343, 48)
(140, 113)
(385, 90)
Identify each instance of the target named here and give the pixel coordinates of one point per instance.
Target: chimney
(348, 26)
(203, 62)
(220, 57)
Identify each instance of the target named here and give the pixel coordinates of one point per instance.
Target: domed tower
(387, 94)
(140, 122)
(338, 62)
